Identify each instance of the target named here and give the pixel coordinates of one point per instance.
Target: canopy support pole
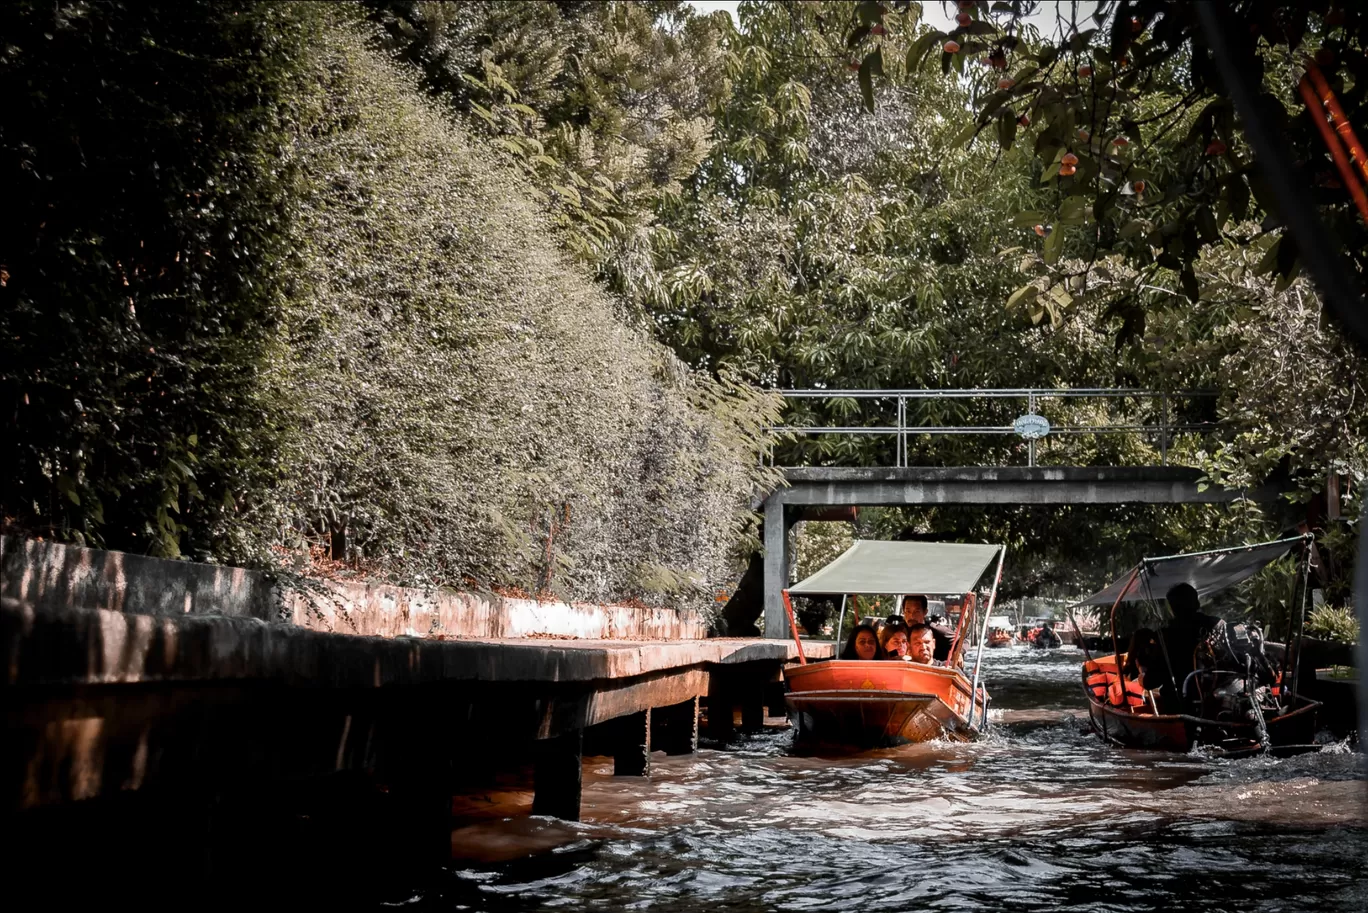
(978, 660)
(968, 612)
(1116, 644)
(840, 622)
(1078, 632)
(793, 628)
(1301, 622)
(1286, 674)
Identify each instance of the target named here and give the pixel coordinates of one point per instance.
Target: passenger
(1188, 629)
(921, 645)
(893, 640)
(863, 643)
(915, 608)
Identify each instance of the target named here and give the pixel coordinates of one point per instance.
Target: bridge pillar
(776, 565)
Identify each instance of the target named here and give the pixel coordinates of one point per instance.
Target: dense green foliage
(139, 267)
(259, 294)
(475, 405)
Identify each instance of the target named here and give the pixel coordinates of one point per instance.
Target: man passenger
(1188, 629)
(921, 645)
(915, 609)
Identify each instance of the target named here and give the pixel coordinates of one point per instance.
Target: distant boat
(872, 703)
(1234, 713)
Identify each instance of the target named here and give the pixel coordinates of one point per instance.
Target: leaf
(1074, 208)
(1028, 218)
(1023, 297)
(569, 193)
(921, 46)
(1006, 129)
(869, 11)
(967, 133)
(1286, 280)
(1188, 280)
(1206, 225)
(858, 34)
(869, 67)
(67, 487)
(1054, 245)
(1133, 228)
(1238, 194)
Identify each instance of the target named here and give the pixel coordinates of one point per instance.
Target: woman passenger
(863, 643)
(893, 640)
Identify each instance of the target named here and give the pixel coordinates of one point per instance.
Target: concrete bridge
(830, 486)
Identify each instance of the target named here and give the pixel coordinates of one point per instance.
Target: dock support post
(753, 704)
(774, 697)
(632, 745)
(559, 773)
(721, 723)
(776, 567)
(675, 728)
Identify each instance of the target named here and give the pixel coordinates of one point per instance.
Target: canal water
(1037, 816)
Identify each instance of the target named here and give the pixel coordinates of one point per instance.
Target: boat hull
(1180, 732)
(871, 704)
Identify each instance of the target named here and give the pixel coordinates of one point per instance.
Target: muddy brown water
(1039, 815)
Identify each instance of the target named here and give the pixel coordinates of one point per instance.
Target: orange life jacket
(1097, 684)
(1134, 694)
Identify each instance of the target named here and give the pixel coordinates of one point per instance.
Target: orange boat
(874, 703)
(869, 703)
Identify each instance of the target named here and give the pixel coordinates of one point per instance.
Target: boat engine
(1232, 671)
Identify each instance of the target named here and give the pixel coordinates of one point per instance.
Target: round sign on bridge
(1032, 427)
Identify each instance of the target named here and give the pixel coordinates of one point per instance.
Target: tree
(604, 105)
(1128, 119)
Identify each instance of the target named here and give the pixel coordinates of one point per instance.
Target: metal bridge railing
(1030, 425)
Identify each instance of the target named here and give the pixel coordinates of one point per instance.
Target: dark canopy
(1208, 572)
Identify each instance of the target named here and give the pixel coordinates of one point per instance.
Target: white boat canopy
(1208, 572)
(872, 567)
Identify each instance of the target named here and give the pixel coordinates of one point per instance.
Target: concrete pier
(192, 738)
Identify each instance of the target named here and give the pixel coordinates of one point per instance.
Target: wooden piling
(675, 728)
(721, 705)
(632, 745)
(753, 707)
(559, 775)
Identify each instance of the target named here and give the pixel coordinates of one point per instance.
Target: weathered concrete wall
(49, 575)
(391, 611)
(52, 577)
